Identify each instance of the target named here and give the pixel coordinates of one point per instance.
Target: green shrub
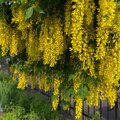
(16, 113)
(43, 108)
(21, 104)
(8, 90)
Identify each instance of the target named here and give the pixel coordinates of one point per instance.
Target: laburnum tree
(70, 47)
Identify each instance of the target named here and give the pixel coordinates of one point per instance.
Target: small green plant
(7, 90)
(16, 113)
(23, 105)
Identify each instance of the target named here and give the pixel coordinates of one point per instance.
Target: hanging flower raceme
(93, 97)
(106, 15)
(55, 100)
(78, 107)
(51, 40)
(43, 83)
(77, 25)
(32, 46)
(22, 81)
(89, 12)
(5, 33)
(18, 18)
(32, 80)
(67, 26)
(14, 45)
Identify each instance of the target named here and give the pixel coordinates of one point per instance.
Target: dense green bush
(23, 105)
(8, 90)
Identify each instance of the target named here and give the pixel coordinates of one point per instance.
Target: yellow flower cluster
(108, 92)
(51, 40)
(55, 101)
(78, 107)
(82, 30)
(110, 74)
(91, 33)
(32, 46)
(19, 18)
(87, 56)
(15, 73)
(22, 81)
(32, 80)
(22, 25)
(4, 37)
(67, 26)
(89, 12)
(93, 97)
(42, 83)
(105, 19)
(77, 17)
(76, 84)
(14, 43)
(56, 86)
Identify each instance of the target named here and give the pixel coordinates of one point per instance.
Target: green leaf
(29, 13)
(68, 93)
(39, 10)
(64, 103)
(94, 81)
(71, 77)
(54, 97)
(83, 92)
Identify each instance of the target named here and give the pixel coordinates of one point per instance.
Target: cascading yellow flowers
(42, 82)
(23, 26)
(109, 74)
(19, 19)
(55, 101)
(78, 107)
(109, 71)
(77, 17)
(107, 91)
(51, 40)
(76, 83)
(93, 32)
(87, 50)
(116, 29)
(32, 80)
(67, 26)
(15, 73)
(5, 34)
(82, 29)
(22, 81)
(87, 56)
(14, 45)
(89, 13)
(32, 46)
(106, 15)
(93, 96)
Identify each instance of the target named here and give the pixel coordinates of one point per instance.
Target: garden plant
(70, 48)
